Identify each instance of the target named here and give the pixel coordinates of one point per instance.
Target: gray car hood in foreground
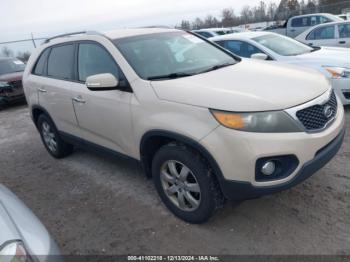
(17, 222)
(247, 86)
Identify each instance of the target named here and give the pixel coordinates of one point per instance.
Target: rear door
(323, 36)
(104, 117)
(54, 86)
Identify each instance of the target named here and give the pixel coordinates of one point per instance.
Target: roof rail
(73, 33)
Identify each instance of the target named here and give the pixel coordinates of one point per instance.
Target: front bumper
(342, 89)
(237, 153)
(237, 190)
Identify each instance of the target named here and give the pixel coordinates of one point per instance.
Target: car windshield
(171, 55)
(11, 66)
(283, 45)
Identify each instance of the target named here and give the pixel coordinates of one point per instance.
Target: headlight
(13, 252)
(3, 84)
(262, 122)
(338, 72)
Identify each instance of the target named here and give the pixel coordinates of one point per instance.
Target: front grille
(316, 117)
(16, 84)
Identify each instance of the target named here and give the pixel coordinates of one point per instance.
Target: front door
(104, 117)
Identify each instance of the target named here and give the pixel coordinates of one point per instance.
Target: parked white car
(205, 124)
(334, 63)
(344, 16)
(335, 34)
(296, 25)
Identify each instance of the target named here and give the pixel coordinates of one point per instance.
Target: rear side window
(40, 64)
(326, 32)
(93, 60)
(60, 63)
(344, 31)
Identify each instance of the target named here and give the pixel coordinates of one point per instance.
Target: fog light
(268, 168)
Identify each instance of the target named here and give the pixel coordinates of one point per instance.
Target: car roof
(331, 23)
(316, 14)
(242, 35)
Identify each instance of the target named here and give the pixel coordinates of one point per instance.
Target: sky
(45, 18)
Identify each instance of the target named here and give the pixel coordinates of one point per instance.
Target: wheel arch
(154, 139)
(36, 111)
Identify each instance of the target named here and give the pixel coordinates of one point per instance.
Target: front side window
(94, 59)
(11, 65)
(326, 32)
(172, 54)
(241, 48)
(344, 31)
(60, 63)
(301, 22)
(282, 45)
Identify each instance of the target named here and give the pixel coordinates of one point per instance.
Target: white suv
(206, 125)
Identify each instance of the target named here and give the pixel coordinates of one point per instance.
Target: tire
(193, 197)
(56, 146)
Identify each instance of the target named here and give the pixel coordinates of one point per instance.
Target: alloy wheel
(180, 185)
(49, 137)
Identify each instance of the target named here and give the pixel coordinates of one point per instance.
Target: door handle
(311, 44)
(79, 99)
(42, 90)
(342, 42)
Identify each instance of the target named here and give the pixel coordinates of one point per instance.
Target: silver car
(22, 235)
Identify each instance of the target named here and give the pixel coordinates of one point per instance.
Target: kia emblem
(328, 111)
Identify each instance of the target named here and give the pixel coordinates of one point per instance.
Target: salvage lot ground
(93, 204)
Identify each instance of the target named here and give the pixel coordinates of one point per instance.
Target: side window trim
(44, 73)
(125, 88)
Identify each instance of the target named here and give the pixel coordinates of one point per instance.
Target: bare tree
(271, 11)
(197, 23)
(210, 21)
(185, 25)
(246, 14)
(228, 17)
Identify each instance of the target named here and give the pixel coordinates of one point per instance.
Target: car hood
(7, 228)
(17, 222)
(246, 86)
(327, 56)
(11, 77)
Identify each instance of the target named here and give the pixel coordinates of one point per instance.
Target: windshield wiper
(169, 76)
(216, 67)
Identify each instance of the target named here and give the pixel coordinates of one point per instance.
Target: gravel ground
(92, 204)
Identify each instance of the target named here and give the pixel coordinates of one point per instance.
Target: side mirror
(259, 56)
(102, 82)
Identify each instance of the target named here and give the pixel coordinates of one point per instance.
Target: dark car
(11, 72)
